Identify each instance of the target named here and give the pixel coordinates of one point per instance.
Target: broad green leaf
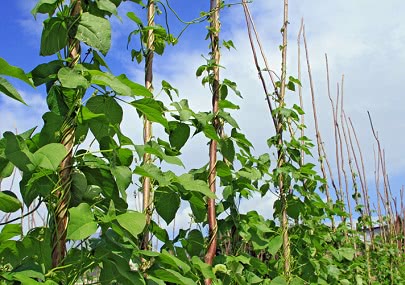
(6, 168)
(210, 132)
(100, 61)
(275, 244)
(279, 280)
(136, 89)
(194, 243)
(172, 260)
(54, 36)
(46, 72)
(71, 78)
(179, 134)
(225, 104)
(205, 268)
(112, 112)
(108, 80)
(229, 119)
(50, 156)
(45, 7)
(169, 275)
(223, 170)
(123, 178)
(39, 184)
(107, 5)
(85, 115)
(134, 18)
(297, 281)
(227, 149)
(189, 183)
(152, 110)
(167, 203)
(9, 202)
(152, 171)
(17, 152)
(13, 71)
(9, 90)
(133, 222)
(81, 222)
(95, 32)
(9, 231)
(347, 252)
(78, 187)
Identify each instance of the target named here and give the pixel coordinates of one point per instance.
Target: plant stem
(60, 213)
(280, 151)
(147, 125)
(215, 55)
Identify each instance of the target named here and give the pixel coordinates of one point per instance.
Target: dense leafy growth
(92, 236)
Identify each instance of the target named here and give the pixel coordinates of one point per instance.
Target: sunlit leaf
(81, 222)
(95, 32)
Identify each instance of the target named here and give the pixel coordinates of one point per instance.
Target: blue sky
(364, 39)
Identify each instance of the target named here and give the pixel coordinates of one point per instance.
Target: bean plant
(80, 167)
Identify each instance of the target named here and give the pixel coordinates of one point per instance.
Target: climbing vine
(80, 167)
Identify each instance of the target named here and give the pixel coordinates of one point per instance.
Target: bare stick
(300, 87)
(317, 132)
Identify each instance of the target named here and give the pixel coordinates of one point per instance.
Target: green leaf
(9, 202)
(71, 78)
(172, 260)
(168, 88)
(347, 252)
(189, 183)
(107, 79)
(279, 280)
(275, 244)
(17, 152)
(205, 268)
(152, 171)
(227, 149)
(45, 7)
(54, 36)
(95, 32)
(225, 104)
(297, 281)
(134, 18)
(152, 110)
(169, 275)
(136, 89)
(133, 222)
(112, 112)
(81, 222)
(13, 71)
(167, 203)
(179, 134)
(194, 243)
(49, 156)
(229, 119)
(210, 132)
(123, 178)
(46, 72)
(9, 90)
(9, 231)
(223, 170)
(108, 6)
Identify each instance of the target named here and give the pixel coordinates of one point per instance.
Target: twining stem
(62, 193)
(147, 125)
(215, 55)
(280, 151)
